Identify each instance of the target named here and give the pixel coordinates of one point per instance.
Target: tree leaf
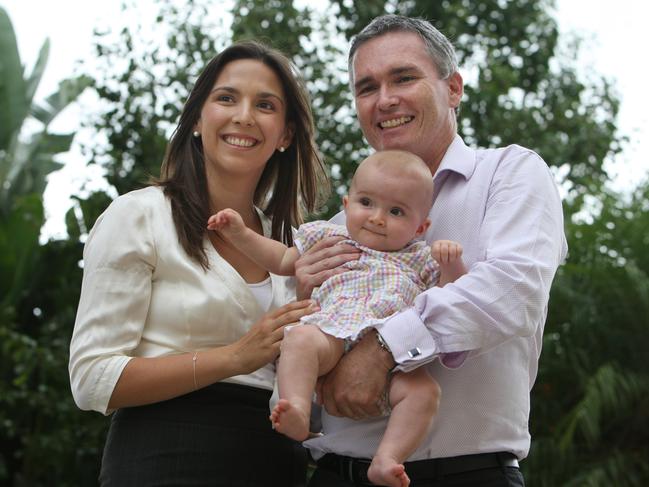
(12, 85)
(37, 73)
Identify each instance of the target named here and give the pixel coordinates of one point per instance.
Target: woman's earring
(281, 149)
(196, 134)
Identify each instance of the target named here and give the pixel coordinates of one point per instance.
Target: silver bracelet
(194, 358)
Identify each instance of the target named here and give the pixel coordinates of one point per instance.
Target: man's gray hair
(437, 44)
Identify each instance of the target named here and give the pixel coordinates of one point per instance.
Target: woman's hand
(261, 344)
(146, 380)
(320, 262)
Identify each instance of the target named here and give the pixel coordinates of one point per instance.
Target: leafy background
(590, 404)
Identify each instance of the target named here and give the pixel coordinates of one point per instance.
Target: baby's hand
(446, 251)
(228, 222)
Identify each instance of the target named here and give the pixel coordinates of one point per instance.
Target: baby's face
(385, 211)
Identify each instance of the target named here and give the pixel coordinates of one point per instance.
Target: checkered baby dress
(376, 286)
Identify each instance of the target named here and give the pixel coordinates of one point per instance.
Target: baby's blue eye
(396, 212)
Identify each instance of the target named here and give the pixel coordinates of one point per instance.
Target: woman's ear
(286, 140)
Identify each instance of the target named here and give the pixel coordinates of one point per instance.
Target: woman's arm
(118, 298)
(150, 380)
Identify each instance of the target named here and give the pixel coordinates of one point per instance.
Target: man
(479, 337)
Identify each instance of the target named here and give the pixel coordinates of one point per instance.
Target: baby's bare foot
(290, 420)
(386, 471)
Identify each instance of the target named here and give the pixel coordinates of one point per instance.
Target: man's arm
(504, 295)
(322, 261)
(355, 387)
(352, 388)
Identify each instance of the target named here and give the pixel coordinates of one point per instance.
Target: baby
(386, 214)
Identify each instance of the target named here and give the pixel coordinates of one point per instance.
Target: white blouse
(142, 296)
(263, 292)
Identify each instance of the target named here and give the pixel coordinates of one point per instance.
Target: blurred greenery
(41, 440)
(590, 414)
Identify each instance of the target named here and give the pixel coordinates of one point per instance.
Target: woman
(173, 329)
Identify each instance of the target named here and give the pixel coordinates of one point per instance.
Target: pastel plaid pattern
(376, 286)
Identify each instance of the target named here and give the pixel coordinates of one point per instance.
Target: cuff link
(414, 352)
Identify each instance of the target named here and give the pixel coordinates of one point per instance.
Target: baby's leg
(414, 398)
(306, 354)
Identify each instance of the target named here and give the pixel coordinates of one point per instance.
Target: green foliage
(24, 162)
(275, 22)
(517, 89)
(144, 85)
(591, 402)
(46, 440)
(38, 292)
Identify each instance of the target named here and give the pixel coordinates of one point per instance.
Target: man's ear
(455, 89)
(421, 229)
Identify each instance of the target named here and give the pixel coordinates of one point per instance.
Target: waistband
(220, 404)
(355, 469)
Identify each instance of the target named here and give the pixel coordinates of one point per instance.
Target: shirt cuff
(412, 344)
(410, 341)
(107, 382)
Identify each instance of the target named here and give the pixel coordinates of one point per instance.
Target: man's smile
(395, 122)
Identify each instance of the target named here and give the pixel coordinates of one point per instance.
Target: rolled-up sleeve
(520, 243)
(119, 259)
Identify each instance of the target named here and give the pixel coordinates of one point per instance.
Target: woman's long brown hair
(292, 181)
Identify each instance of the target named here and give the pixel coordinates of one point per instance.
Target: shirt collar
(458, 158)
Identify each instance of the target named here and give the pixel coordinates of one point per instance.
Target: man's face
(400, 99)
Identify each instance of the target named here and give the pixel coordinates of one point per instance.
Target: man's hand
(320, 262)
(356, 387)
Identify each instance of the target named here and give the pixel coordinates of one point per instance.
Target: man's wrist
(386, 352)
(382, 343)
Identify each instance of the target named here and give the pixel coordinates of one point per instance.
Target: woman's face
(243, 120)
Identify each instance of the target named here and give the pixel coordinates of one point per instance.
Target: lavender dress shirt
(480, 337)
